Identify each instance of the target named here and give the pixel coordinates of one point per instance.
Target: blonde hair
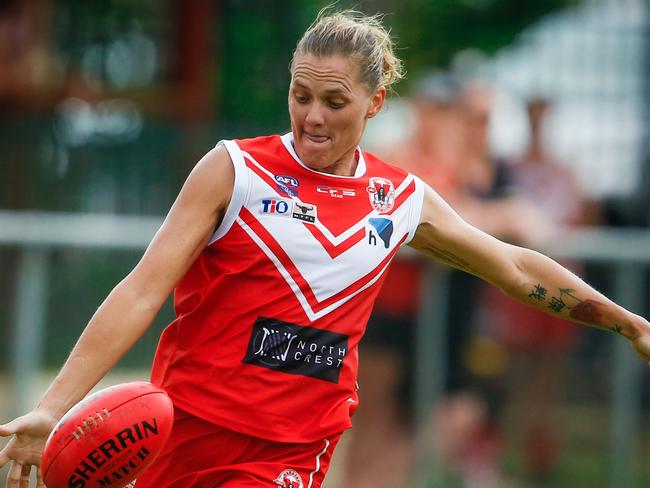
(362, 38)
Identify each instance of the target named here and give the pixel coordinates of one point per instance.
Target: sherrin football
(108, 438)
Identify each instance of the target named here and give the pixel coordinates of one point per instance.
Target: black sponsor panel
(297, 349)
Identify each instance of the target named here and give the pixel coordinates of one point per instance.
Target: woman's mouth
(318, 139)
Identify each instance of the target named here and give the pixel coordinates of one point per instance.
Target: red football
(108, 438)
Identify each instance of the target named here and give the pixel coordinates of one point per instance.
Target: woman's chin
(314, 157)
(316, 162)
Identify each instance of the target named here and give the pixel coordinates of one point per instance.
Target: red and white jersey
(270, 315)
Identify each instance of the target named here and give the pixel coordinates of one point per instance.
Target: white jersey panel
(318, 265)
(325, 275)
(239, 192)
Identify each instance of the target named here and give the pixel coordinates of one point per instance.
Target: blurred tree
(433, 31)
(258, 39)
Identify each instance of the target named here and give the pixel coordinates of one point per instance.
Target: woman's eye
(335, 105)
(302, 99)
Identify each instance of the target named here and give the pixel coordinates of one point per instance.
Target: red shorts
(200, 454)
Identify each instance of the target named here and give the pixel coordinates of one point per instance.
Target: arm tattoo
(568, 292)
(587, 311)
(617, 328)
(538, 293)
(557, 304)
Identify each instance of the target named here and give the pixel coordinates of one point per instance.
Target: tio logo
(273, 206)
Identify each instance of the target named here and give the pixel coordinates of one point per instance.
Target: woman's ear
(376, 102)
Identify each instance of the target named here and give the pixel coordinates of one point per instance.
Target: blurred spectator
(489, 199)
(381, 444)
(537, 344)
(466, 434)
(441, 150)
(549, 183)
(31, 74)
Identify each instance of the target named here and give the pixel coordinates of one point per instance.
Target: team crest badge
(382, 194)
(289, 479)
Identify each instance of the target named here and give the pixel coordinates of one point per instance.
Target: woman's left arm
(523, 274)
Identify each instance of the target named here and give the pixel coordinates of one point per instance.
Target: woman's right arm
(131, 307)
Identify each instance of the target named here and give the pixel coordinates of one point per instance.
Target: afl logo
(289, 479)
(382, 194)
(287, 185)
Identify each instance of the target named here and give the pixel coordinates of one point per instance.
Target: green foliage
(433, 31)
(259, 37)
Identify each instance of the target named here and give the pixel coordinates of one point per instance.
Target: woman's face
(329, 106)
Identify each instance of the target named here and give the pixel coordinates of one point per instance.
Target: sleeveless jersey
(270, 315)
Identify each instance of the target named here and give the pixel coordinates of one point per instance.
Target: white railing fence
(36, 235)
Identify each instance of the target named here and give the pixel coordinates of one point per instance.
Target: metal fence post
(29, 324)
(431, 366)
(626, 407)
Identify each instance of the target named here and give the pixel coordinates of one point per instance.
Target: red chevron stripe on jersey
(270, 315)
(284, 261)
(334, 250)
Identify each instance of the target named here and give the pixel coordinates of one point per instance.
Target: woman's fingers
(4, 457)
(39, 478)
(10, 428)
(24, 475)
(13, 477)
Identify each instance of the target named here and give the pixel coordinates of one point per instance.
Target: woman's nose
(315, 115)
